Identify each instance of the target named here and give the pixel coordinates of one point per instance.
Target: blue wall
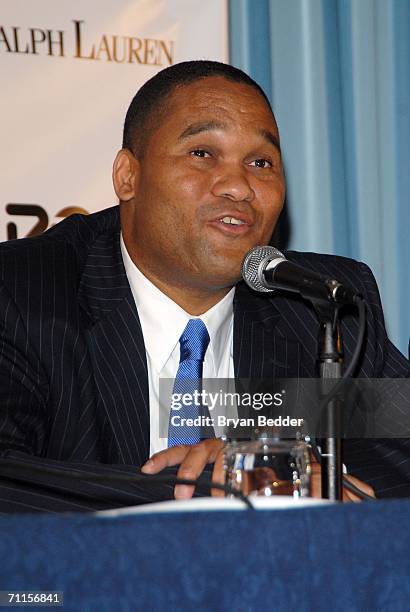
(337, 73)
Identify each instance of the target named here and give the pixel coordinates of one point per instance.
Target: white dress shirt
(163, 322)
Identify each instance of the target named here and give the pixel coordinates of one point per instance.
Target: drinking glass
(267, 467)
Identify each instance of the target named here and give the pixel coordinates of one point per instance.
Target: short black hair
(150, 101)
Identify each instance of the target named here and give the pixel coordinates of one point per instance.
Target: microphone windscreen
(255, 262)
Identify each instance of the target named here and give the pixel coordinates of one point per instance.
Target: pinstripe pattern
(73, 372)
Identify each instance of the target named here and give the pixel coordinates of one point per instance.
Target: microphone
(266, 269)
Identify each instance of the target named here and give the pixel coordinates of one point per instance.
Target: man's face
(209, 187)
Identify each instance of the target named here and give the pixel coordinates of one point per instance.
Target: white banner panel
(69, 70)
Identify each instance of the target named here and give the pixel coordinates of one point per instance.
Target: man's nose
(234, 185)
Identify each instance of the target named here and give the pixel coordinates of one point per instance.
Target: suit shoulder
(319, 259)
(69, 240)
(64, 247)
(354, 273)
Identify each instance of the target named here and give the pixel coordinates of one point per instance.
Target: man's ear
(125, 175)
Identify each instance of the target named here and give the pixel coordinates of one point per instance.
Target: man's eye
(261, 163)
(200, 153)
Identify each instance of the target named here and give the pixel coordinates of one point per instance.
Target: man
(93, 311)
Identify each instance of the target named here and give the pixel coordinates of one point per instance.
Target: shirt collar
(163, 321)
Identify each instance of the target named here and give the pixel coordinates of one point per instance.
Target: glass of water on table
(267, 467)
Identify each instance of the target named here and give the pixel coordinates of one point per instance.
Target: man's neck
(192, 300)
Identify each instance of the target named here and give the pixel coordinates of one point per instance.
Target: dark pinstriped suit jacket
(73, 372)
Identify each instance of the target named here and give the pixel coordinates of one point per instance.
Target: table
(347, 557)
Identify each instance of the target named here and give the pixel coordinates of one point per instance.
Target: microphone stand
(330, 357)
(266, 269)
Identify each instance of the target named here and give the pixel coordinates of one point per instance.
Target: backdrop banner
(69, 71)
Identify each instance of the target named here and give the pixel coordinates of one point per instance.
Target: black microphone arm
(265, 269)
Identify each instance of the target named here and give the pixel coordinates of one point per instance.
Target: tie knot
(194, 340)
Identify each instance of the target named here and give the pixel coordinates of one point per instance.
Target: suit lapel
(117, 350)
(264, 345)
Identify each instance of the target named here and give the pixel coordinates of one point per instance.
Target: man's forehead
(214, 103)
(198, 127)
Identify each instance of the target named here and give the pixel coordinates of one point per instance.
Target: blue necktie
(193, 342)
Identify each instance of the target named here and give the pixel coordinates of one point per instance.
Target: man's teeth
(232, 221)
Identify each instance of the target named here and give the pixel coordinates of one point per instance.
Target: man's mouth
(232, 221)
(231, 225)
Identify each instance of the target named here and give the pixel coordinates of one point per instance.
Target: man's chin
(223, 279)
(221, 268)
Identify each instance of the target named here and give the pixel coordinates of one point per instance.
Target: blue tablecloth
(347, 557)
